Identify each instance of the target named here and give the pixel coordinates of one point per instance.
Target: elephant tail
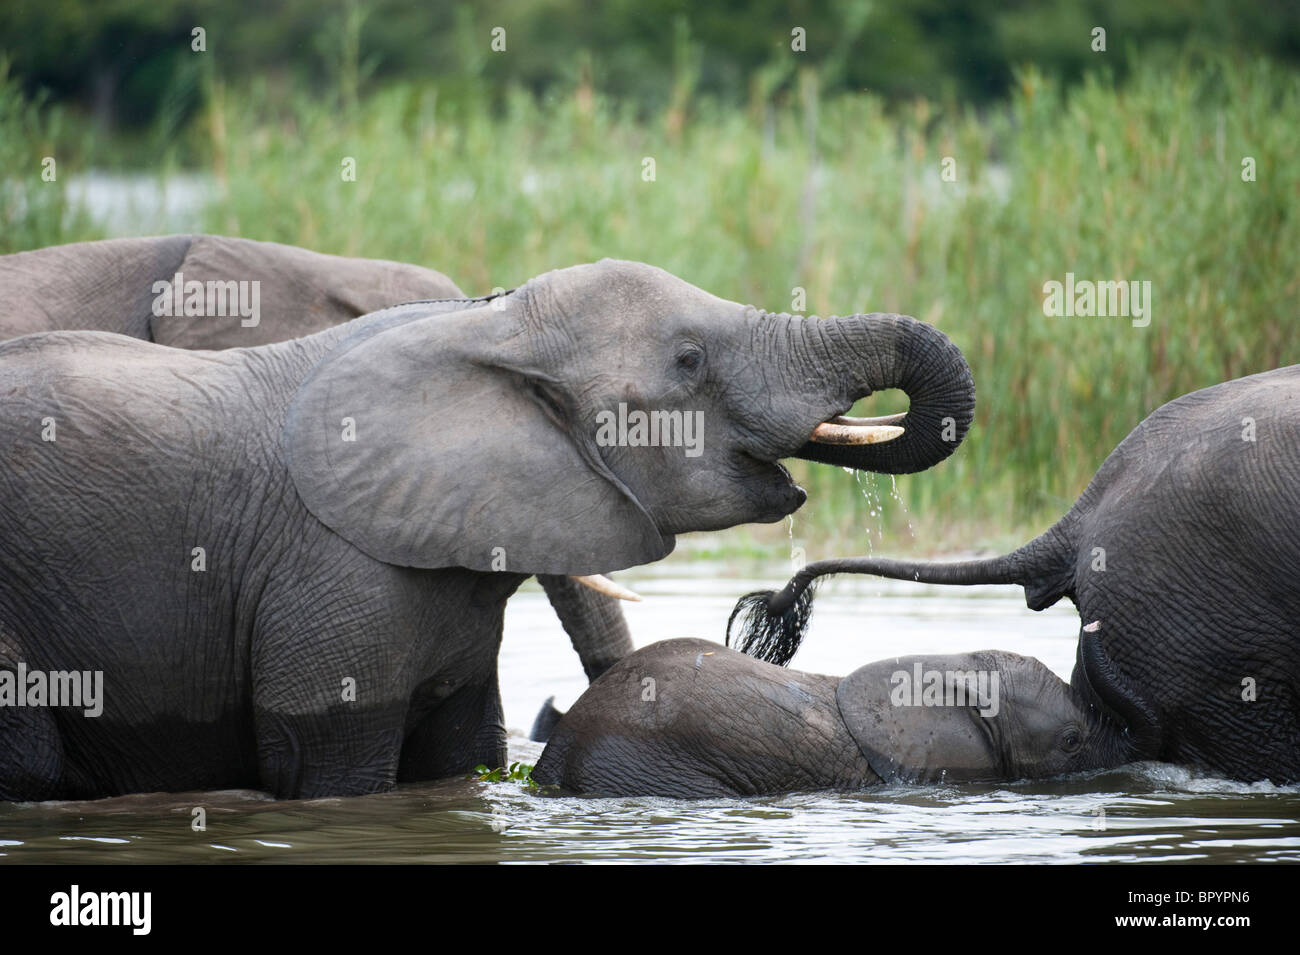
(771, 625)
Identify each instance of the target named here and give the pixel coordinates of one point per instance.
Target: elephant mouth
(854, 432)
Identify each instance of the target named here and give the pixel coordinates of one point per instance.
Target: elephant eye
(690, 358)
(1071, 740)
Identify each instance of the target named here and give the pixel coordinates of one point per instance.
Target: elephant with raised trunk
(1182, 557)
(689, 718)
(309, 597)
(122, 285)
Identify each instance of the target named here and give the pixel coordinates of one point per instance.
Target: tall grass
(34, 207)
(844, 198)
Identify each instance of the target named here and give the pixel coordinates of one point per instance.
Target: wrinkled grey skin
(109, 286)
(357, 494)
(690, 718)
(1182, 557)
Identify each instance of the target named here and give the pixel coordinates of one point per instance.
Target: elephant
(308, 599)
(1181, 554)
(113, 285)
(131, 286)
(689, 718)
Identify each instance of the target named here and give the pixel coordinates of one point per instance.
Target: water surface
(1150, 812)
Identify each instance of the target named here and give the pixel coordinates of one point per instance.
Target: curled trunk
(876, 352)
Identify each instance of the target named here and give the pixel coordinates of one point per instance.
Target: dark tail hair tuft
(770, 626)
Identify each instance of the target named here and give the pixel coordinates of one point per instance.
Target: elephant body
(1181, 556)
(1197, 516)
(689, 718)
(290, 562)
(111, 286)
(232, 674)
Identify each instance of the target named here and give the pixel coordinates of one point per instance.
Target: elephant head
(577, 424)
(972, 717)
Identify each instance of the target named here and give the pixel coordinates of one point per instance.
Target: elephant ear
(905, 739)
(433, 441)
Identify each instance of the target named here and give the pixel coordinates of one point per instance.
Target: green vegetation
(840, 195)
(131, 63)
(34, 211)
(516, 772)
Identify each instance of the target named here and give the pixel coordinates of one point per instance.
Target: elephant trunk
(592, 620)
(873, 352)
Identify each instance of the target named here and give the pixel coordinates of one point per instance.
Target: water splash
(876, 510)
(893, 492)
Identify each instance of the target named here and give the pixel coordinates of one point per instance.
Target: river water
(1150, 812)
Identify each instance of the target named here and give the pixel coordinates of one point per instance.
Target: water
(140, 204)
(1151, 812)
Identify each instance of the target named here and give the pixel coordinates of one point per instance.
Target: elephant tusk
(603, 585)
(841, 430)
(883, 419)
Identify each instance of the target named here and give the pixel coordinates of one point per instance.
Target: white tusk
(851, 431)
(883, 419)
(603, 585)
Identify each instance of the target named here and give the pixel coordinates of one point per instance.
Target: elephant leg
(31, 747)
(342, 752)
(454, 735)
(327, 717)
(593, 621)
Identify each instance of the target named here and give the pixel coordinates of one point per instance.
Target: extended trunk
(594, 623)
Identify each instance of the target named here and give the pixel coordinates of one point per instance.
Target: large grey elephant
(1182, 557)
(308, 595)
(262, 292)
(689, 718)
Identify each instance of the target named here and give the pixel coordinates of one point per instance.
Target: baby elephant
(690, 718)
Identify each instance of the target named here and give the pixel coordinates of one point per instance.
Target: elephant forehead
(630, 286)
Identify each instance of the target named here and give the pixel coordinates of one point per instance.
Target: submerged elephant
(689, 718)
(1182, 555)
(265, 292)
(309, 597)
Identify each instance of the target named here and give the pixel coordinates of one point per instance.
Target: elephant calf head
(971, 717)
(578, 423)
(691, 718)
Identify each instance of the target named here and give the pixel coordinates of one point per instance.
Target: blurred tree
(120, 58)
